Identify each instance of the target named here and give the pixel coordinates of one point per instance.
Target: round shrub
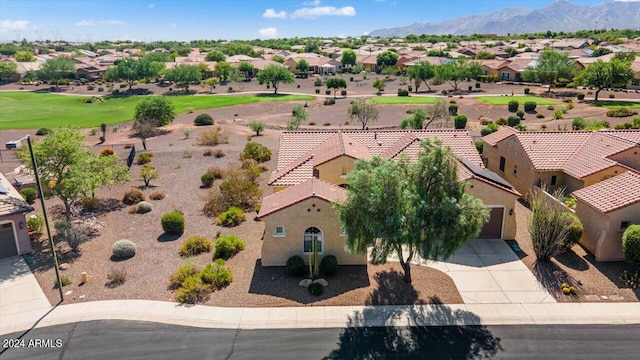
(295, 265)
(631, 245)
(315, 289)
(227, 246)
(89, 203)
(143, 158)
(526, 90)
(157, 195)
(530, 106)
(173, 223)
(520, 114)
(575, 230)
(144, 207)
(513, 120)
(43, 131)
(207, 179)
(216, 274)
(256, 151)
(579, 123)
(234, 216)
(133, 196)
(195, 245)
(123, 249)
(513, 105)
(203, 120)
(29, 195)
(453, 109)
(460, 121)
(184, 271)
(580, 96)
(329, 265)
(403, 92)
(107, 152)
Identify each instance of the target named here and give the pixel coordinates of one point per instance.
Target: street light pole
(44, 213)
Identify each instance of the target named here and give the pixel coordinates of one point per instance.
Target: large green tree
(455, 71)
(335, 84)
(55, 69)
(8, 69)
(348, 58)
(362, 110)
(106, 170)
(126, 70)
(223, 70)
(421, 72)
(247, 68)
(550, 67)
(386, 58)
(601, 74)
(215, 56)
(25, 56)
(184, 75)
(274, 75)
(157, 110)
(407, 208)
(302, 66)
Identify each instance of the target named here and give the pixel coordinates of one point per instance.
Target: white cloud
(269, 33)
(272, 14)
(312, 3)
(6, 25)
(312, 13)
(174, 25)
(100, 22)
(151, 6)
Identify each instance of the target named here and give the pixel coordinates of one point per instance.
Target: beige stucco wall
(493, 196)
(331, 171)
(602, 235)
(24, 243)
(603, 175)
(629, 157)
(296, 219)
(513, 153)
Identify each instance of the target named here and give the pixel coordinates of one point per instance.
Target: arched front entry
(311, 235)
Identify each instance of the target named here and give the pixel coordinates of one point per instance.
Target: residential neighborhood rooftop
(607, 195)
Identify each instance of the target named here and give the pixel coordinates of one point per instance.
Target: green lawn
(504, 100)
(29, 110)
(389, 100)
(615, 104)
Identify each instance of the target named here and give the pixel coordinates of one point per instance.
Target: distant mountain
(560, 15)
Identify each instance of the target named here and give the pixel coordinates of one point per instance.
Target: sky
(184, 20)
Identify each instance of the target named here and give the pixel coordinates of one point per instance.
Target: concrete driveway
(19, 289)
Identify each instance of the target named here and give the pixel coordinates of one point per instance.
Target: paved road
(114, 339)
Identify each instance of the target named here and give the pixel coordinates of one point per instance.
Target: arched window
(311, 235)
(344, 170)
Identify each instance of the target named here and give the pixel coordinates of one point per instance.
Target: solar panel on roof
(485, 173)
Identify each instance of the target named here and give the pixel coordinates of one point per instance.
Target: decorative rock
(305, 283)
(322, 282)
(63, 266)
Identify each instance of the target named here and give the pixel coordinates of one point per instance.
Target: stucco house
(14, 238)
(311, 175)
(607, 209)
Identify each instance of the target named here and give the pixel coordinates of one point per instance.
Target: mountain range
(561, 15)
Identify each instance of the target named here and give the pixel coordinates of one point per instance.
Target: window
(515, 169)
(312, 235)
(279, 232)
(316, 173)
(344, 170)
(502, 161)
(505, 75)
(624, 225)
(553, 180)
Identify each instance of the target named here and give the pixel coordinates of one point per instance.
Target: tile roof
(612, 194)
(593, 155)
(497, 136)
(11, 201)
(312, 187)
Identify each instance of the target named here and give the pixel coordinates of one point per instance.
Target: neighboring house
(14, 237)
(606, 210)
(491, 67)
(512, 70)
(569, 159)
(312, 174)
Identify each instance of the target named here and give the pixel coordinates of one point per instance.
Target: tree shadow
(274, 281)
(551, 276)
(570, 259)
(613, 270)
(129, 93)
(435, 331)
(392, 290)
(165, 237)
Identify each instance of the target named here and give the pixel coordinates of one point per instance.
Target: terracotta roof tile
(497, 136)
(612, 194)
(551, 150)
(312, 187)
(593, 155)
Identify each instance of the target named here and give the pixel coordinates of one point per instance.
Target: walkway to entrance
(19, 289)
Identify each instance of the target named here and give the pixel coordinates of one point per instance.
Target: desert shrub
(227, 246)
(173, 222)
(575, 229)
(219, 153)
(596, 124)
(621, 112)
(487, 130)
(216, 172)
(460, 121)
(526, 90)
(501, 121)
(540, 116)
(318, 82)
(133, 196)
(479, 146)
(43, 131)
(207, 180)
(195, 245)
(217, 274)
(35, 224)
(343, 92)
(520, 127)
(520, 114)
(107, 152)
(579, 123)
(453, 109)
(315, 289)
(580, 96)
(123, 249)
(317, 91)
(89, 203)
(203, 120)
(72, 235)
(329, 101)
(256, 151)
(248, 163)
(64, 281)
(238, 189)
(547, 225)
(157, 195)
(143, 158)
(213, 138)
(513, 106)
(116, 277)
(327, 92)
(133, 209)
(184, 271)
(234, 216)
(403, 92)
(513, 120)
(295, 266)
(29, 195)
(144, 207)
(192, 290)
(558, 114)
(530, 106)
(329, 265)
(612, 96)
(263, 168)
(570, 105)
(207, 152)
(631, 245)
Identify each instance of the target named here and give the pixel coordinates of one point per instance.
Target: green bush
(256, 151)
(133, 196)
(453, 109)
(295, 266)
(143, 158)
(526, 90)
(580, 96)
(207, 179)
(29, 195)
(558, 114)
(403, 92)
(520, 114)
(501, 121)
(217, 274)
(203, 120)
(173, 223)
(575, 230)
(479, 146)
(579, 123)
(192, 290)
(63, 280)
(315, 289)
(195, 245)
(43, 131)
(227, 246)
(318, 82)
(513, 120)
(329, 101)
(184, 271)
(530, 106)
(89, 203)
(460, 121)
(513, 106)
(123, 249)
(144, 207)
(35, 224)
(621, 112)
(329, 265)
(234, 216)
(631, 245)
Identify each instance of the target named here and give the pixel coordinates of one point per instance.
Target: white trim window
(279, 231)
(311, 235)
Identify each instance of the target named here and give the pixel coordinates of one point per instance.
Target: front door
(493, 229)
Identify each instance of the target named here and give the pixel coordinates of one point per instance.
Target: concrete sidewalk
(325, 316)
(19, 289)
